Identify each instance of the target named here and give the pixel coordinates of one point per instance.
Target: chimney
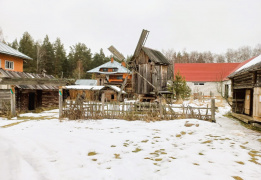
(112, 60)
(123, 64)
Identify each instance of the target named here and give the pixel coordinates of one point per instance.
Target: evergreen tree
(26, 46)
(99, 59)
(59, 59)
(14, 44)
(79, 56)
(47, 62)
(179, 87)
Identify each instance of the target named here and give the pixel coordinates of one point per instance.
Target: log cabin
(112, 73)
(246, 89)
(26, 91)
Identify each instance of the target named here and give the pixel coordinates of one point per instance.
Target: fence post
(103, 99)
(213, 110)
(160, 107)
(60, 102)
(13, 109)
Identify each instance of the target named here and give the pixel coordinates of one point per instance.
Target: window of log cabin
(119, 77)
(114, 69)
(9, 65)
(104, 69)
(112, 96)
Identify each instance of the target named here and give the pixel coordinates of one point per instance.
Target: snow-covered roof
(89, 82)
(117, 89)
(113, 64)
(5, 49)
(84, 87)
(94, 88)
(251, 65)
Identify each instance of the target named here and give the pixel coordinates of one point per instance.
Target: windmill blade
(143, 37)
(116, 53)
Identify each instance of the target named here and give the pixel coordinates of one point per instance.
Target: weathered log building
(149, 69)
(28, 97)
(246, 88)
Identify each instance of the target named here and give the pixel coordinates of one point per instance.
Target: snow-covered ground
(40, 147)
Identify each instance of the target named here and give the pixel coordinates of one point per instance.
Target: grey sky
(201, 25)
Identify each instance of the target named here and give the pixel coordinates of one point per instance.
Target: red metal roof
(205, 72)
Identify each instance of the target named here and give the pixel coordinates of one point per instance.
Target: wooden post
(160, 107)
(213, 110)
(60, 102)
(13, 109)
(103, 99)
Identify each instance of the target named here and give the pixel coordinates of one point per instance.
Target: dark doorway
(226, 90)
(31, 104)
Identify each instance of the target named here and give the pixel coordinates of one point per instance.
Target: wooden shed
(92, 93)
(246, 89)
(28, 90)
(149, 68)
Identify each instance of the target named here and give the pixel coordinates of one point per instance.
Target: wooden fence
(134, 111)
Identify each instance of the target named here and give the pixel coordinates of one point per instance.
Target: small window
(199, 83)
(119, 77)
(115, 69)
(112, 96)
(105, 69)
(9, 65)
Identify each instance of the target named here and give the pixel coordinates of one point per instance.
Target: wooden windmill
(149, 68)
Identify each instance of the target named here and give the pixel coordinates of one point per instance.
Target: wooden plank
(213, 110)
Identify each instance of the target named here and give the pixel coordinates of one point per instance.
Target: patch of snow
(119, 149)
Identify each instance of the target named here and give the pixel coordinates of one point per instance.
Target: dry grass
(183, 132)
(93, 153)
(254, 155)
(158, 159)
(178, 135)
(137, 150)
(237, 178)
(240, 162)
(206, 142)
(117, 156)
(13, 124)
(144, 141)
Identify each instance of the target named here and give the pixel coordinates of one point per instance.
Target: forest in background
(52, 58)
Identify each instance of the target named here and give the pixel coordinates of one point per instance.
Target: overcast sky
(201, 25)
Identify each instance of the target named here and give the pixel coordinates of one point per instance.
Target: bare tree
(257, 50)
(1, 36)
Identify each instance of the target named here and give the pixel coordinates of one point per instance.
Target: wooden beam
(32, 81)
(60, 102)
(13, 109)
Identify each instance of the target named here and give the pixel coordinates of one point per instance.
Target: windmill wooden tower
(149, 70)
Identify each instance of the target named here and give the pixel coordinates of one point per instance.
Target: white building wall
(208, 87)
